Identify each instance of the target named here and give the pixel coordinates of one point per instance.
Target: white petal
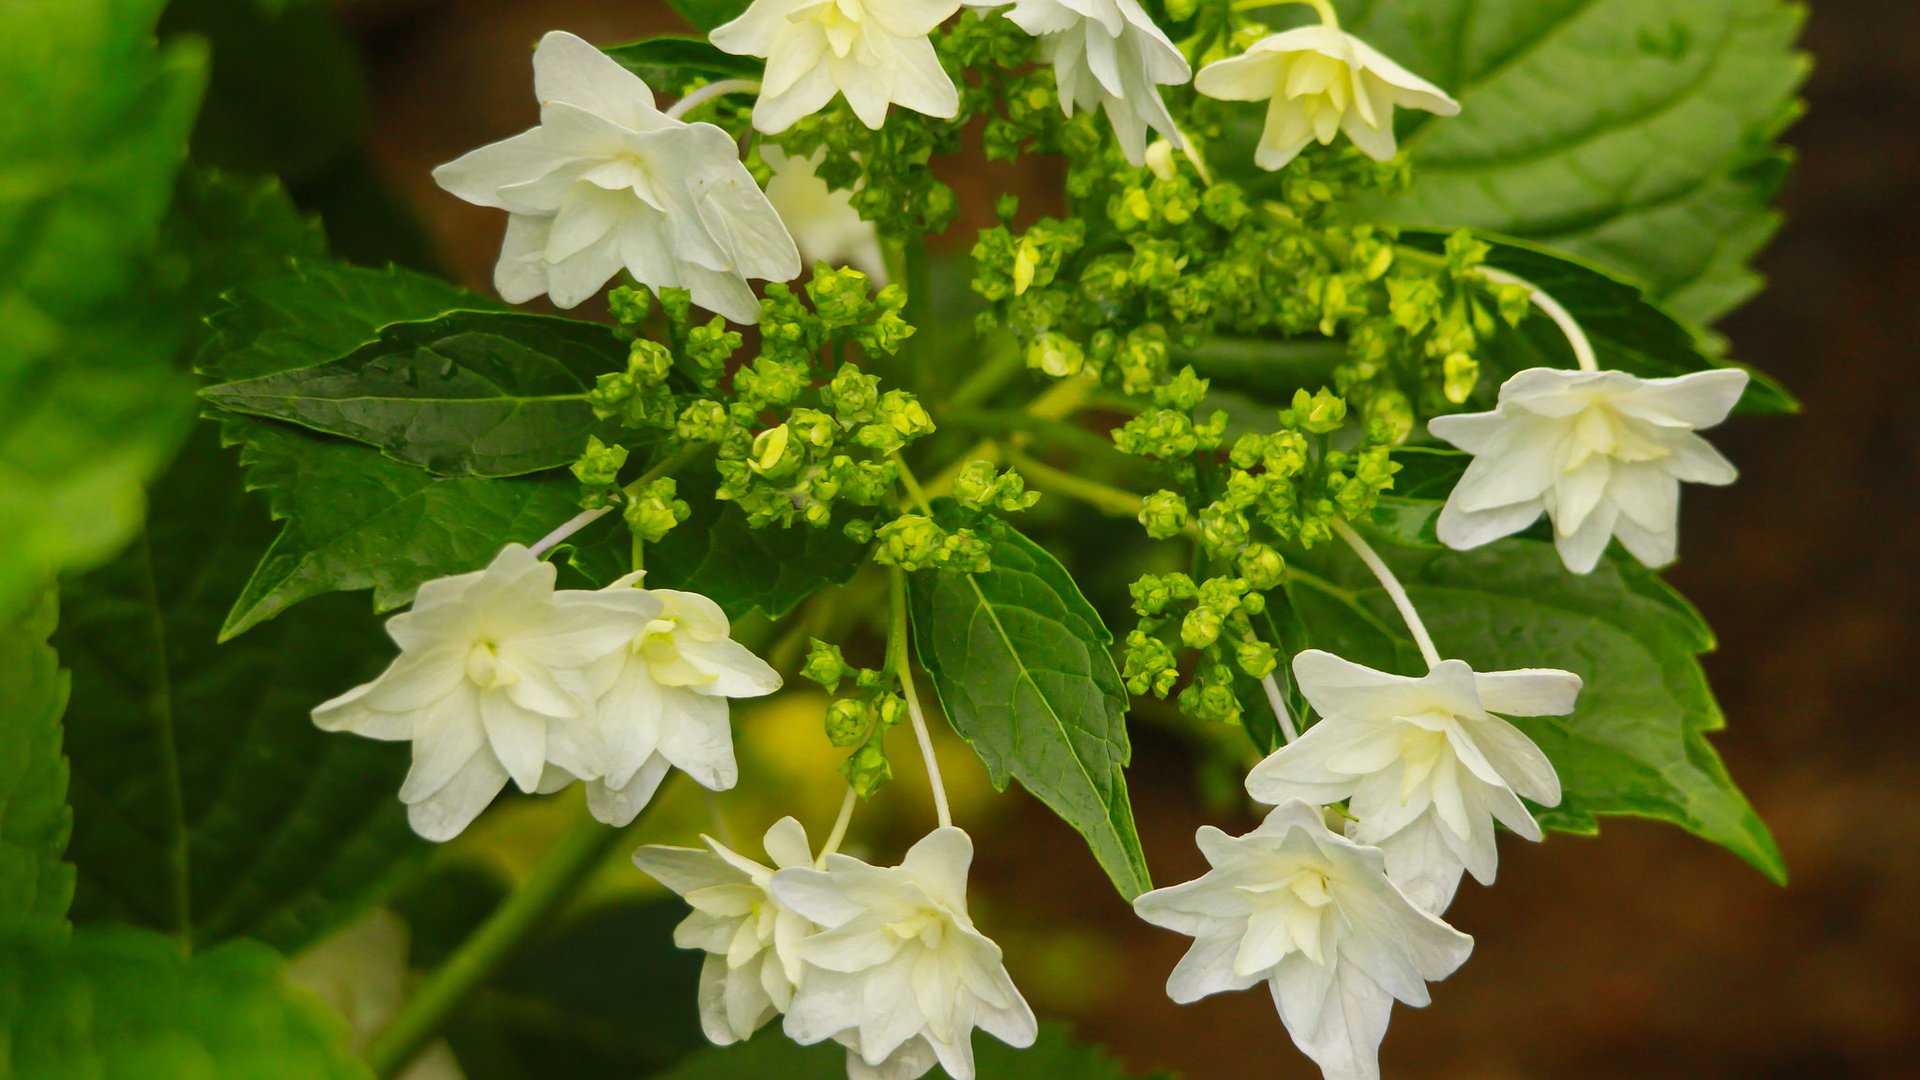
(1697, 400)
(786, 844)
(521, 273)
(697, 739)
(517, 736)
(448, 811)
(921, 84)
(939, 863)
(567, 68)
(1581, 551)
(1464, 530)
(1423, 864)
(685, 870)
(478, 175)
(619, 806)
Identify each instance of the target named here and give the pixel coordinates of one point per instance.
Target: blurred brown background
(1644, 953)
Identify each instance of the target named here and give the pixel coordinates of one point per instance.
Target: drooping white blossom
(751, 939)
(822, 220)
(660, 703)
(609, 182)
(1318, 81)
(898, 974)
(1107, 54)
(1601, 453)
(490, 664)
(1424, 763)
(1313, 915)
(876, 52)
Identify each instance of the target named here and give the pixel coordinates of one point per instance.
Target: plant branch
(898, 660)
(530, 909)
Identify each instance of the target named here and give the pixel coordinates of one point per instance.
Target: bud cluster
(1210, 616)
(861, 720)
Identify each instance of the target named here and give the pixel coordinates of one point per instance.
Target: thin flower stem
(1576, 337)
(898, 660)
(1061, 400)
(530, 909)
(697, 98)
(670, 464)
(1393, 589)
(1279, 704)
(1102, 497)
(911, 482)
(839, 832)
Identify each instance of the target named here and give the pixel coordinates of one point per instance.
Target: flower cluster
(609, 182)
(883, 960)
(501, 677)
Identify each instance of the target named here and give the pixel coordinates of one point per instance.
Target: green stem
(899, 661)
(1003, 422)
(1060, 401)
(530, 909)
(1323, 7)
(1102, 497)
(987, 380)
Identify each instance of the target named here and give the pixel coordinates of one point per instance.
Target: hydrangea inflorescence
(1233, 257)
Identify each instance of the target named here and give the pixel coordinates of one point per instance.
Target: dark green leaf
(472, 393)
(1629, 330)
(205, 802)
(1054, 1056)
(90, 404)
(707, 14)
(118, 1001)
(714, 552)
(1636, 743)
(36, 883)
(1637, 133)
(355, 520)
(320, 311)
(1021, 662)
(671, 64)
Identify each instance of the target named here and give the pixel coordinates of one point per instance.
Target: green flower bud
(848, 721)
(770, 457)
(1262, 566)
(825, 665)
(1256, 658)
(851, 395)
(908, 541)
(1460, 373)
(813, 427)
(1318, 413)
(652, 512)
(867, 770)
(648, 361)
(703, 421)
(599, 465)
(1150, 666)
(1056, 354)
(1392, 413)
(1163, 514)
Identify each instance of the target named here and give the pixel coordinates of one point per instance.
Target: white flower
(1321, 80)
(490, 663)
(822, 220)
(1312, 915)
(750, 938)
(660, 702)
(899, 975)
(1601, 452)
(1108, 54)
(607, 182)
(876, 52)
(1425, 766)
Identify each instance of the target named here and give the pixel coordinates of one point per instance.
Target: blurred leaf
(205, 802)
(36, 883)
(287, 95)
(574, 1007)
(1628, 329)
(1053, 1056)
(1022, 666)
(123, 1002)
(472, 393)
(356, 520)
(320, 311)
(1636, 133)
(707, 14)
(672, 64)
(1636, 743)
(91, 406)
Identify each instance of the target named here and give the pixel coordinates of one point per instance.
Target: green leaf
(1629, 330)
(707, 14)
(205, 802)
(715, 553)
(1022, 666)
(90, 405)
(36, 883)
(1053, 1056)
(672, 64)
(472, 393)
(117, 1001)
(355, 520)
(1637, 133)
(1635, 744)
(320, 311)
